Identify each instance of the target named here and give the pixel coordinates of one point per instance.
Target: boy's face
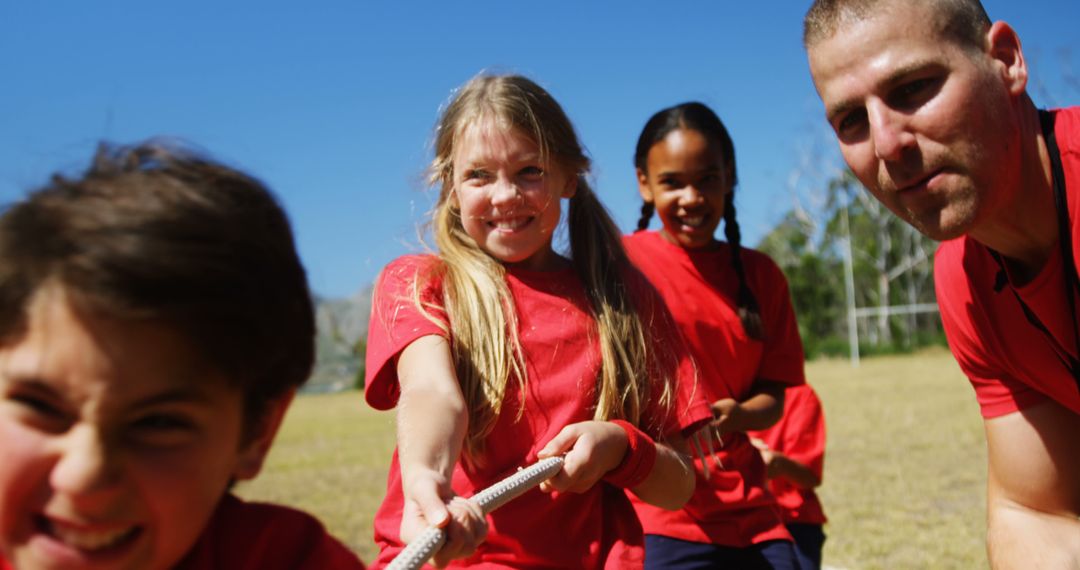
(118, 442)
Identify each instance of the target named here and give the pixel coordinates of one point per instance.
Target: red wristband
(638, 461)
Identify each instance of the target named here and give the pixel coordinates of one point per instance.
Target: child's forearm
(432, 417)
(784, 467)
(670, 483)
(760, 411)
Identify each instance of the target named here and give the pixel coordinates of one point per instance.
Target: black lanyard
(1072, 282)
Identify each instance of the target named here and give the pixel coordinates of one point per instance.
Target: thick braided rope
(421, 549)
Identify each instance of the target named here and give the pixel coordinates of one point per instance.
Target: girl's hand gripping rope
(460, 516)
(592, 450)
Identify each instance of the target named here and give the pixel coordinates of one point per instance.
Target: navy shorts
(809, 539)
(662, 552)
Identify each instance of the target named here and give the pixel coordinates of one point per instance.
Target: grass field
(905, 469)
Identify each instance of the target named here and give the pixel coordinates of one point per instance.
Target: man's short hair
(963, 21)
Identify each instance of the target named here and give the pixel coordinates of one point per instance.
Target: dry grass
(905, 469)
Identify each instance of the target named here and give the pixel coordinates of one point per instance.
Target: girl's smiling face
(508, 195)
(687, 181)
(118, 441)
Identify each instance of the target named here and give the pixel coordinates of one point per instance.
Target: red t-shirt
(1010, 363)
(733, 506)
(595, 529)
(261, 536)
(800, 435)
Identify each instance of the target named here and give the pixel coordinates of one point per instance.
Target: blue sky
(332, 103)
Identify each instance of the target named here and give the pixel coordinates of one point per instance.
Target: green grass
(905, 468)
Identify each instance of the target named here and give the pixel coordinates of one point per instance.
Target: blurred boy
(155, 322)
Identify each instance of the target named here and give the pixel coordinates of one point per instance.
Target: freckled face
(508, 196)
(118, 442)
(687, 180)
(924, 123)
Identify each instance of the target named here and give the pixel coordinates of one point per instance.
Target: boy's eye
(162, 429)
(40, 412)
(668, 182)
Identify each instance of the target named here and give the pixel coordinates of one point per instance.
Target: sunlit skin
(934, 130)
(687, 180)
(508, 196)
(118, 442)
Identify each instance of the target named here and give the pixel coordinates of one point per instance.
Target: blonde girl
(500, 350)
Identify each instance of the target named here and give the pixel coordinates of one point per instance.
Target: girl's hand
(592, 449)
(727, 416)
(429, 501)
(767, 455)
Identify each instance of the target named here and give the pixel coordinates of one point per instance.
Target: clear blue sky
(332, 103)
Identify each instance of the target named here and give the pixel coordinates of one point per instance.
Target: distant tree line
(891, 265)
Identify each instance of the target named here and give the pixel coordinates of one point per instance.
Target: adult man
(928, 102)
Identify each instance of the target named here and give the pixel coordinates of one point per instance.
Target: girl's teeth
(694, 221)
(90, 540)
(510, 224)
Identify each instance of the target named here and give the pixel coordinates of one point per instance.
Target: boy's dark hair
(698, 117)
(160, 233)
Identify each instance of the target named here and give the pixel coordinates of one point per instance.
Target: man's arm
(1033, 494)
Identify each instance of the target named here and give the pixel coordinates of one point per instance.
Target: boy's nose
(87, 465)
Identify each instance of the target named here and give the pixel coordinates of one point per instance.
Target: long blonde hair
(480, 309)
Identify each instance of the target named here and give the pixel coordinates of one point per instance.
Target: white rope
(423, 547)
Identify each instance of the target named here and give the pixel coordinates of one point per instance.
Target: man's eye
(914, 93)
(851, 123)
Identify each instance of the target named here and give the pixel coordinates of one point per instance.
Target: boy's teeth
(90, 540)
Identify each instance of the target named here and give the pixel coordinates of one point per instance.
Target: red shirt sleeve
(782, 359)
(397, 320)
(803, 434)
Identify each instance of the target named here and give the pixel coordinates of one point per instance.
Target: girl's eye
(476, 175)
(532, 173)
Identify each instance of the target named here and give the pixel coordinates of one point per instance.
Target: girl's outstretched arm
(432, 422)
(595, 448)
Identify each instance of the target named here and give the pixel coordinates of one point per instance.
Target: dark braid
(749, 312)
(647, 209)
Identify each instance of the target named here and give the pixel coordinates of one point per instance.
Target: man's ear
(1004, 49)
(257, 441)
(643, 186)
